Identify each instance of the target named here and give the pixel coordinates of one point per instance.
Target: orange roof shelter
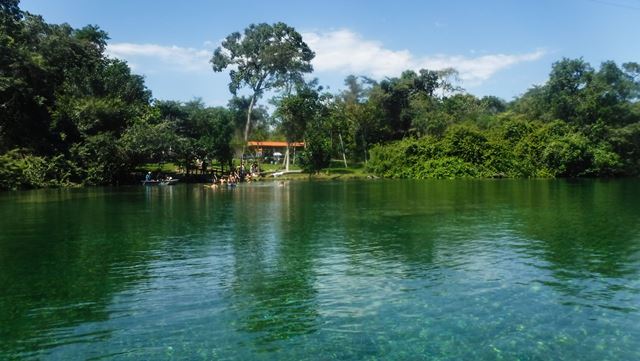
(273, 144)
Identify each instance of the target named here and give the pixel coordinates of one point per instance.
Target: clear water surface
(388, 270)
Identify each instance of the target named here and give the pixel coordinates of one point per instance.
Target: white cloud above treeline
(340, 51)
(347, 52)
(153, 57)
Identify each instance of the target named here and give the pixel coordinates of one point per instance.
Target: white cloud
(476, 70)
(153, 57)
(347, 52)
(340, 51)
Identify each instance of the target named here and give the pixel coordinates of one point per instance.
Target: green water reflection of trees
(65, 254)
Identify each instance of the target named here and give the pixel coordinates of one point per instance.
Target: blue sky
(500, 47)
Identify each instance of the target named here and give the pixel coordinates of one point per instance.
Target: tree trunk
(364, 146)
(286, 158)
(344, 156)
(248, 124)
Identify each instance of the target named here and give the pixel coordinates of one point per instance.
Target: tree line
(422, 124)
(583, 122)
(72, 115)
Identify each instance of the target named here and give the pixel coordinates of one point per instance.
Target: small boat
(169, 182)
(152, 182)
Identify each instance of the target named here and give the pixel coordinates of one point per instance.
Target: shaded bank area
(464, 269)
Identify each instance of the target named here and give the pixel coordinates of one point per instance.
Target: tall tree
(260, 120)
(265, 57)
(296, 110)
(566, 88)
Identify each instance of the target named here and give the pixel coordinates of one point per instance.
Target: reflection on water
(336, 270)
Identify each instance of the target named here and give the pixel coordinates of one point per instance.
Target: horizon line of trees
(71, 115)
(582, 122)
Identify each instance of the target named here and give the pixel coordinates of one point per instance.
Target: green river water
(375, 270)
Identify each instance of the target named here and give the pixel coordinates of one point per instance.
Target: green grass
(336, 170)
(157, 167)
(354, 171)
(276, 167)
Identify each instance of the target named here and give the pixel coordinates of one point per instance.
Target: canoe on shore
(283, 172)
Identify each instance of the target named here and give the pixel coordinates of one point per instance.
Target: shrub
(19, 169)
(100, 159)
(317, 154)
(466, 143)
(447, 168)
(568, 156)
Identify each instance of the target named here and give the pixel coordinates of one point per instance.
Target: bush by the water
(511, 148)
(19, 169)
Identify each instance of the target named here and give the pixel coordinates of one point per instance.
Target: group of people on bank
(238, 175)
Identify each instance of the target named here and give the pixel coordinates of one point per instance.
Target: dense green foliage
(582, 122)
(304, 116)
(71, 115)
